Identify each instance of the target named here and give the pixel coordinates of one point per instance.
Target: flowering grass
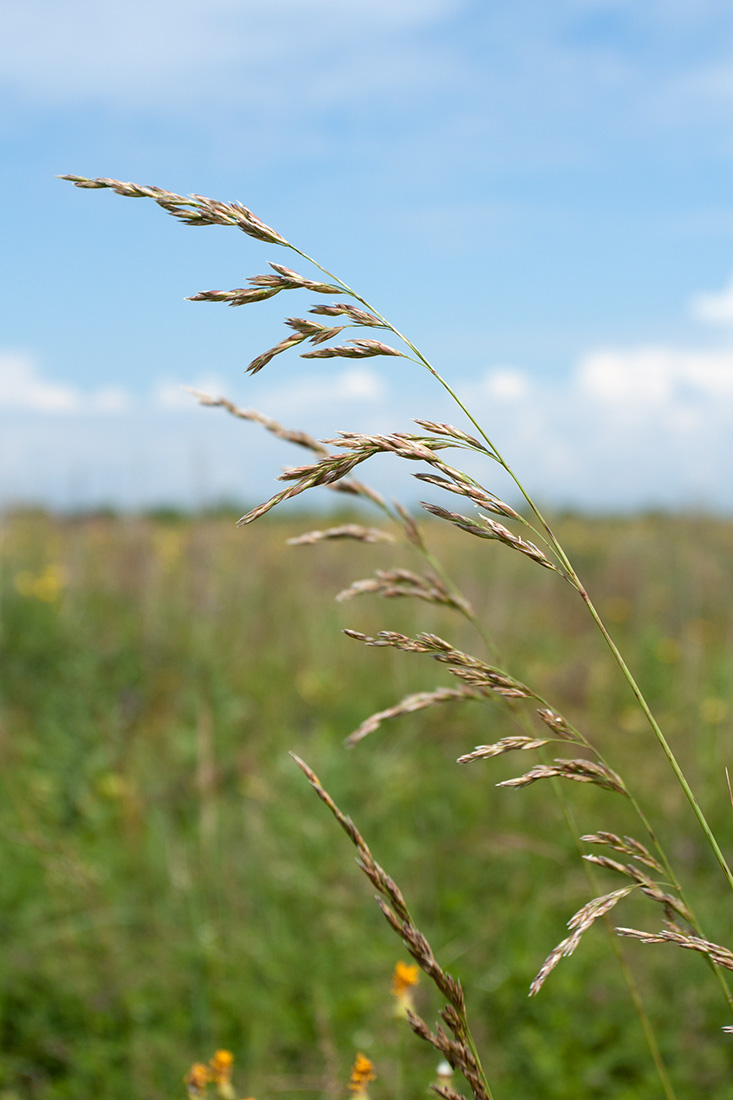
(523, 716)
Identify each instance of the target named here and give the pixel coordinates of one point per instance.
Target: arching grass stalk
(333, 469)
(566, 564)
(198, 210)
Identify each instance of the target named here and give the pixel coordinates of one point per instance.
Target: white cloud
(628, 427)
(351, 387)
(358, 384)
(24, 389)
(654, 376)
(714, 306)
(506, 384)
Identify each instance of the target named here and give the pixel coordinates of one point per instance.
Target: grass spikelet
(409, 705)
(353, 531)
(581, 771)
(344, 309)
(721, 956)
(559, 726)
(627, 845)
(462, 665)
(460, 437)
(354, 349)
(396, 583)
(672, 905)
(464, 486)
(316, 333)
(267, 356)
(485, 528)
(506, 744)
(579, 923)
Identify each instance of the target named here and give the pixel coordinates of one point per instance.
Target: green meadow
(171, 885)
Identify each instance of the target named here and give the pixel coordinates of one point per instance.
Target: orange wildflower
(361, 1074)
(221, 1065)
(404, 978)
(197, 1079)
(221, 1073)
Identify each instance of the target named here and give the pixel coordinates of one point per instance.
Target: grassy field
(171, 885)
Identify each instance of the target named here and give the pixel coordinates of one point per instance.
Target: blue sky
(539, 194)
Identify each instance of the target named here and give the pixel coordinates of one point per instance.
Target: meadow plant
(642, 867)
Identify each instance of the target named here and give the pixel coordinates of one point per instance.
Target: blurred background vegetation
(170, 884)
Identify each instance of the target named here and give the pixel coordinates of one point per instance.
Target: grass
(170, 888)
(521, 719)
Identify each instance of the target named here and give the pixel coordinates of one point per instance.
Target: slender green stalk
(573, 576)
(569, 572)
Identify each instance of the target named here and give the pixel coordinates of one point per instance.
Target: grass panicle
(482, 680)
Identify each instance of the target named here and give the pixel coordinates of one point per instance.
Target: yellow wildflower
(361, 1074)
(221, 1065)
(197, 1079)
(404, 978)
(45, 586)
(221, 1073)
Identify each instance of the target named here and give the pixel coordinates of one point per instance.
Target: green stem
(574, 579)
(666, 749)
(565, 562)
